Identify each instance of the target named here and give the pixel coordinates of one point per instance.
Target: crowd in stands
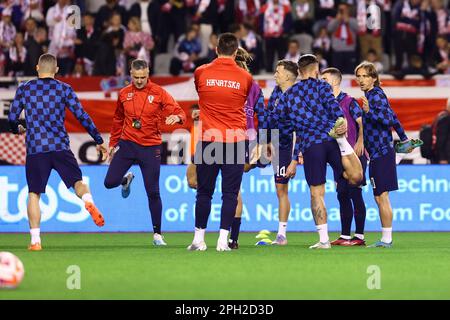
(399, 36)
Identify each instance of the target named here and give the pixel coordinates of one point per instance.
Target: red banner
(412, 113)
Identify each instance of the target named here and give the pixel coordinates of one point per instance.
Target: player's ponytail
(243, 58)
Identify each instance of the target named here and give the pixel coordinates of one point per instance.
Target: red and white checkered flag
(12, 148)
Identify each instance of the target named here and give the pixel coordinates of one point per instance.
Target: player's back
(44, 101)
(223, 88)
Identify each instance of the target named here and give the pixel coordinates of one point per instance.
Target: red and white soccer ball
(11, 270)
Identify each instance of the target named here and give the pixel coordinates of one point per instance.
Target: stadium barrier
(421, 204)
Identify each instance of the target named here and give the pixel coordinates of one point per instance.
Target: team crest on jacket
(150, 99)
(130, 96)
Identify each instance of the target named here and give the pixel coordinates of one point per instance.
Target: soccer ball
(11, 270)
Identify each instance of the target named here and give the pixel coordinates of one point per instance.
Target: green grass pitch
(128, 266)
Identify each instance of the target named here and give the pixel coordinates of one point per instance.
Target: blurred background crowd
(400, 36)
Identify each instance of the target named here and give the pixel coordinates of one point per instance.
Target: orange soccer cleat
(35, 247)
(95, 214)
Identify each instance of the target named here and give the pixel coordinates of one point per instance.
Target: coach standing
(136, 138)
(223, 88)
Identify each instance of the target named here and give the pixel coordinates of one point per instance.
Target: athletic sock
(386, 235)
(223, 236)
(87, 197)
(359, 236)
(359, 209)
(345, 237)
(282, 226)
(346, 148)
(346, 212)
(199, 235)
(35, 235)
(322, 229)
(235, 228)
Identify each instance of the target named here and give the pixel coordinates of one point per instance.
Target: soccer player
(45, 100)
(135, 138)
(281, 150)
(223, 88)
(315, 114)
(350, 197)
(253, 104)
(378, 119)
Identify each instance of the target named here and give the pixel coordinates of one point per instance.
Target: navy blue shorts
(343, 185)
(280, 163)
(383, 173)
(39, 166)
(315, 160)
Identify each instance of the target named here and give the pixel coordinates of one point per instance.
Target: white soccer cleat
(321, 245)
(158, 240)
(222, 246)
(200, 246)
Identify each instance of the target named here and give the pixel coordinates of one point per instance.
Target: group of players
(329, 125)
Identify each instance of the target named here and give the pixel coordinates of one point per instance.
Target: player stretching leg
(350, 197)
(135, 138)
(45, 100)
(313, 111)
(285, 75)
(378, 119)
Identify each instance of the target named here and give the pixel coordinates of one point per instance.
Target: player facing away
(378, 119)
(350, 197)
(223, 88)
(45, 100)
(135, 138)
(315, 114)
(253, 105)
(281, 148)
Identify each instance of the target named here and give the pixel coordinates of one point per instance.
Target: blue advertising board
(422, 202)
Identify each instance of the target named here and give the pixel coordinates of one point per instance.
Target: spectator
(252, 43)
(186, 56)
(116, 26)
(148, 12)
(7, 31)
(33, 9)
(443, 18)
(303, 15)
(440, 59)
(247, 11)
(213, 41)
(406, 20)
(42, 39)
(323, 63)
(323, 42)
(173, 21)
(105, 13)
(79, 70)
(34, 49)
(226, 12)
(369, 30)
(324, 10)
(109, 58)
(441, 131)
(87, 43)
(293, 51)
(343, 29)
(17, 56)
(275, 22)
(427, 31)
(62, 36)
(373, 57)
(207, 16)
(137, 43)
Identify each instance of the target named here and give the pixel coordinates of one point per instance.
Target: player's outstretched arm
(75, 107)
